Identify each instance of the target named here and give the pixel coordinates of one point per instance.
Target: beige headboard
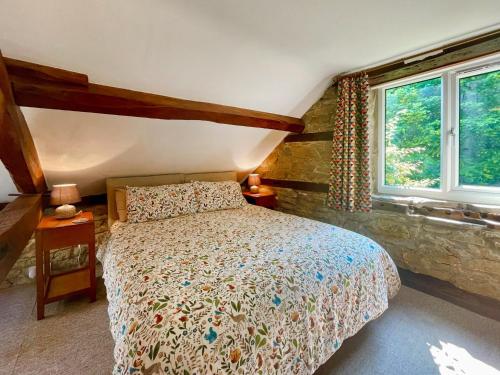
(164, 179)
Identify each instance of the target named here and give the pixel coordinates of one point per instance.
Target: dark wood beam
(31, 91)
(45, 73)
(309, 137)
(298, 185)
(18, 220)
(17, 150)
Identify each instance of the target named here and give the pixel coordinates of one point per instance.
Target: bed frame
(164, 179)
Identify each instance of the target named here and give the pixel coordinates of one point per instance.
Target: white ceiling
(274, 56)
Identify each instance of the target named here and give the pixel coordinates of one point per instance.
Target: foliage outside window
(479, 121)
(413, 134)
(440, 135)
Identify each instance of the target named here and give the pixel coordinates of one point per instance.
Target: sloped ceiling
(275, 56)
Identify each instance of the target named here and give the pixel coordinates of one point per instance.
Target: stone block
(391, 227)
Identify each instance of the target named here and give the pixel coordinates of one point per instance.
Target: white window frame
(450, 189)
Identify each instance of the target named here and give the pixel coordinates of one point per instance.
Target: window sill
(477, 214)
(478, 197)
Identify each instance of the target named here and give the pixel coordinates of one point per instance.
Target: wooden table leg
(40, 280)
(92, 292)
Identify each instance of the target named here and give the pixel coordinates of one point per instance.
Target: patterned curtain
(350, 171)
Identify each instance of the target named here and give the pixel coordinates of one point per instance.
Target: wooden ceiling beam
(31, 90)
(45, 73)
(309, 137)
(17, 150)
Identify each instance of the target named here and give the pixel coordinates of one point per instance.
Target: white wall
(86, 148)
(275, 56)
(6, 185)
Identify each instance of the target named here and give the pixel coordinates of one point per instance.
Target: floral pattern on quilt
(145, 203)
(247, 290)
(222, 195)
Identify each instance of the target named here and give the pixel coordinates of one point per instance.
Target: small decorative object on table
(265, 198)
(53, 233)
(254, 182)
(63, 195)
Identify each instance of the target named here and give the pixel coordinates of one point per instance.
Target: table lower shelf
(67, 284)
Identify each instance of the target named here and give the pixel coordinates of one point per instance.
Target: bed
(246, 290)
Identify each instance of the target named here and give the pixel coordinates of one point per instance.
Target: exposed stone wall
(62, 259)
(467, 255)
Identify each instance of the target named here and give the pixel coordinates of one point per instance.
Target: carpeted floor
(419, 334)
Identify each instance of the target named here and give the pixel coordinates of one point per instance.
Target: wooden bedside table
(266, 198)
(53, 233)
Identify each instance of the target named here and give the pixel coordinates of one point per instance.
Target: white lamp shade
(253, 179)
(64, 194)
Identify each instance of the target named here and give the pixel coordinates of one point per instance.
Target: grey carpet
(419, 334)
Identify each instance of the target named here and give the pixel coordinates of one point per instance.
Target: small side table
(266, 198)
(53, 233)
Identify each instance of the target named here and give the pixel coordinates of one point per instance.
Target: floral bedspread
(245, 290)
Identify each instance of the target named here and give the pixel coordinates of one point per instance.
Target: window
(413, 134)
(479, 129)
(439, 135)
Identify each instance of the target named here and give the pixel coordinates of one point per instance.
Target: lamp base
(66, 211)
(254, 189)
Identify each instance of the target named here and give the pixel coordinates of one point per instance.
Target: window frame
(450, 189)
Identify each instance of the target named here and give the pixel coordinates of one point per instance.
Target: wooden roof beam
(17, 150)
(36, 90)
(45, 73)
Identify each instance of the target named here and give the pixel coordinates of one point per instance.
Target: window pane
(413, 134)
(479, 116)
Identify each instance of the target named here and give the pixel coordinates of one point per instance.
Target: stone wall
(61, 259)
(467, 255)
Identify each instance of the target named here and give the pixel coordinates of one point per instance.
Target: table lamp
(63, 195)
(254, 182)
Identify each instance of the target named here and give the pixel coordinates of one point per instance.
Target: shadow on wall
(313, 96)
(248, 162)
(268, 144)
(87, 148)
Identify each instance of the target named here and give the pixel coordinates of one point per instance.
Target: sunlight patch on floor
(453, 360)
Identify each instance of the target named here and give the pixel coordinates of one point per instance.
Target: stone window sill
(458, 212)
